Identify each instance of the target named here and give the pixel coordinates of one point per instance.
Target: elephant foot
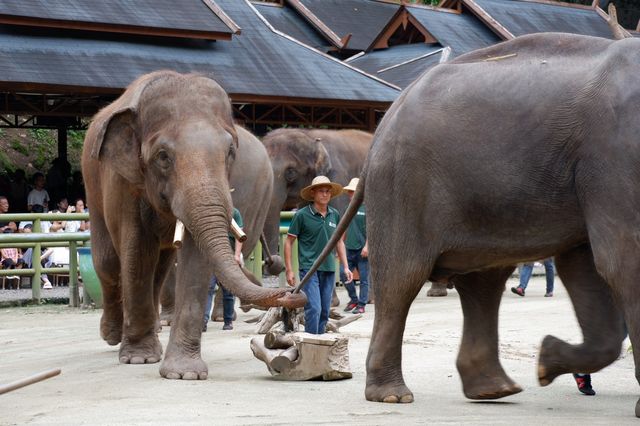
(549, 365)
(184, 367)
(391, 393)
(166, 317)
(437, 290)
(486, 387)
(110, 330)
(147, 350)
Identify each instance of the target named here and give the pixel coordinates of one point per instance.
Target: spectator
(6, 226)
(76, 225)
(77, 186)
(19, 192)
(313, 225)
(525, 275)
(57, 177)
(357, 255)
(27, 256)
(44, 225)
(228, 299)
(38, 194)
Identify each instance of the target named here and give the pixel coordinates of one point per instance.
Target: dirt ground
(95, 389)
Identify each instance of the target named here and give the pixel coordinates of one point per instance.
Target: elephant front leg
(140, 343)
(478, 364)
(182, 359)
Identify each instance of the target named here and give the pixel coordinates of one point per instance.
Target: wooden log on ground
(274, 340)
(272, 316)
(257, 318)
(324, 356)
(335, 314)
(334, 325)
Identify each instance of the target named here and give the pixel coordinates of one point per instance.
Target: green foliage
(5, 163)
(16, 145)
(76, 139)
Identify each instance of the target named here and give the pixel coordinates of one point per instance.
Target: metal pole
(35, 263)
(74, 296)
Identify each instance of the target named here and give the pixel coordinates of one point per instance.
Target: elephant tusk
(178, 234)
(237, 232)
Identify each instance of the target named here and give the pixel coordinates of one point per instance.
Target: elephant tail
(352, 209)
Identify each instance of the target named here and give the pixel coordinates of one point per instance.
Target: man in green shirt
(357, 254)
(313, 226)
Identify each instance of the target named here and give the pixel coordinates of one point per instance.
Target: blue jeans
(319, 291)
(527, 269)
(228, 302)
(355, 260)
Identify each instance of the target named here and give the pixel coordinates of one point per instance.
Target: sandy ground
(95, 389)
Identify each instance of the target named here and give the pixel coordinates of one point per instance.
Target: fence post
(74, 297)
(36, 265)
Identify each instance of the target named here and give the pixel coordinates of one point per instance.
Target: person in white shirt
(38, 194)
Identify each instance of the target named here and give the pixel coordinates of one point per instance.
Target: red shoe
(350, 306)
(517, 290)
(358, 310)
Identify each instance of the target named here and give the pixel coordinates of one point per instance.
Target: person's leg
(228, 306)
(352, 260)
(207, 307)
(548, 272)
(326, 283)
(312, 308)
(584, 383)
(525, 274)
(363, 269)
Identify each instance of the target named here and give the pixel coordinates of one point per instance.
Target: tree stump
(311, 356)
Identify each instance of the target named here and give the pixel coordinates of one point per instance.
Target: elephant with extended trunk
(524, 150)
(162, 152)
(251, 178)
(299, 155)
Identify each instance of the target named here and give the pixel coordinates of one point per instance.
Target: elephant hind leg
(395, 289)
(107, 266)
(600, 319)
(478, 364)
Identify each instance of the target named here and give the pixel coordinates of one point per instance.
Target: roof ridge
(281, 34)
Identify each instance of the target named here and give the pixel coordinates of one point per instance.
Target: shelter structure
(63, 61)
(398, 42)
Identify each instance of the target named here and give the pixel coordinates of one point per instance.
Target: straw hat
(353, 184)
(306, 193)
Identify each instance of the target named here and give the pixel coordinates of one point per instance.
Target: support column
(62, 142)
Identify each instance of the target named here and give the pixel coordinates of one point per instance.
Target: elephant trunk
(207, 220)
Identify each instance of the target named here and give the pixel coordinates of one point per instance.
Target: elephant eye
(163, 159)
(290, 174)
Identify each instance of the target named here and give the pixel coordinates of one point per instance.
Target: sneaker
(227, 326)
(350, 306)
(584, 384)
(47, 286)
(358, 310)
(550, 294)
(517, 290)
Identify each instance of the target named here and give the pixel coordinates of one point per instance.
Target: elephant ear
(116, 141)
(323, 161)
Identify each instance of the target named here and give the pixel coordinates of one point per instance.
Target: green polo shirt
(313, 232)
(238, 218)
(357, 231)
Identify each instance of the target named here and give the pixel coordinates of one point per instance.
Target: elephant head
(296, 158)
(171, 136)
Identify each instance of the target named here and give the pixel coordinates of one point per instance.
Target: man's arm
(342, 255)
(365, 249)
(288, 246)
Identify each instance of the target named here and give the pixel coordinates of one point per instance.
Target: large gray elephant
(162, 152)
(299, 155)
(522, 151)
(252, 180)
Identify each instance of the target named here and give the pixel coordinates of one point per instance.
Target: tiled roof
(527, 17)
(155, 15)
(363, 19)
(291, 23)
(258, 62)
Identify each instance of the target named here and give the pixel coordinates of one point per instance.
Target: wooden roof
(187, 18)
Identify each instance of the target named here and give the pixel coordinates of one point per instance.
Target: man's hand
(348, 274)
(365, 251)
(291, 278)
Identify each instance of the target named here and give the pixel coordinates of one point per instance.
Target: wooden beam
(211, 4)
(332, 37)
(485, 17)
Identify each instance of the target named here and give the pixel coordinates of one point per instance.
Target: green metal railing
(36, 239)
